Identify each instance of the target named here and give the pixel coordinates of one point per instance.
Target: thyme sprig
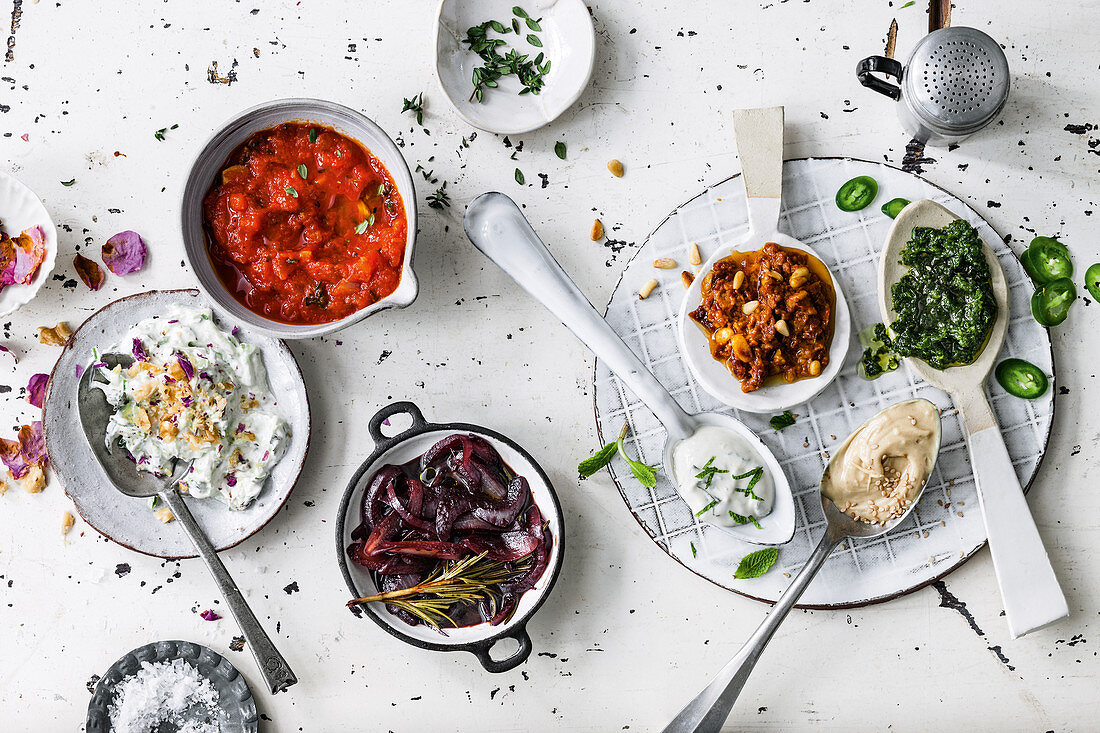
(416, 106)
(530, 72)
(471, 580)
(440, 199)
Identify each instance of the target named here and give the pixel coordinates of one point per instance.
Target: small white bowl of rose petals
(28, 244)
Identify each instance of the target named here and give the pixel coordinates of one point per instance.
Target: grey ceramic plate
(129, 521)
(237, 709)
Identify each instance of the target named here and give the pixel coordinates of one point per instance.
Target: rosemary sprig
(440, 199)
(471, 580)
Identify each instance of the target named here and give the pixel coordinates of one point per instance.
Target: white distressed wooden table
(628, 635)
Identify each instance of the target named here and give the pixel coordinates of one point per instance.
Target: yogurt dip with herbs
(195, 392)
(721, 479)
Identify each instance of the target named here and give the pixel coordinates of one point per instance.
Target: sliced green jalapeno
(1051, 301)
(857, 193)
(1021, 379)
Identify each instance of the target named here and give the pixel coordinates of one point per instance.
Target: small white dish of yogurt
(195, 392)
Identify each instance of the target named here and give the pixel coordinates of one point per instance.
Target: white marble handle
(496, 226)
(1030, 591)
(759, 135)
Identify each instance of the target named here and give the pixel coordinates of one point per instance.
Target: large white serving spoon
(497, 227)
(1029, 588)
(759, 134)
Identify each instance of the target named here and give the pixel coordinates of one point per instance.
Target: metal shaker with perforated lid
(955, 83)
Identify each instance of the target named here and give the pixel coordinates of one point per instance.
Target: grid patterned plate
(946, 528)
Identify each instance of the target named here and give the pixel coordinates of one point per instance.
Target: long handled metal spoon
(1029, 588)
(122, 471)
(497, 227)
(710, 708)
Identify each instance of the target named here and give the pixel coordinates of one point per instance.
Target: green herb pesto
(944, 303)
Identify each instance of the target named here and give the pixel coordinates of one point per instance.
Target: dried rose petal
(36, 388)
(79, 371)
(29, 450)
(124, 253)
(32, 443)
(90, 272)
(6, 350)
(139, 351)
(210, 615)
(185, 365)
(20, 256)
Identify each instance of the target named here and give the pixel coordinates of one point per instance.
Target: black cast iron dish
(478, 640)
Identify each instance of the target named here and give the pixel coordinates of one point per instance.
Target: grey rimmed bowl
(208, 165)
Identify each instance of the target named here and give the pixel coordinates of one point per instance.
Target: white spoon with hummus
(1029, 588)
(872, 482)
(710, 456)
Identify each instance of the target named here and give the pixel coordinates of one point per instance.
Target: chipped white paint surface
(628, 635)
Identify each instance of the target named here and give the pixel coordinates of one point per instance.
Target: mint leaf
(559, 149)
(782, 421)
(745, 520)
(646, 475)
(601, 458)
(703, 511)
(756, 563)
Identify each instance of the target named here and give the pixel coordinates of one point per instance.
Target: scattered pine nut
(648, 288)
(664, 263)
(749, 307)
(693, 255)
(738, 279)
(781, 327)
(56, 336)
(597, 230)
(615, 167)
(164, 514)
(67, 522)
(687, 278)
(34, 480)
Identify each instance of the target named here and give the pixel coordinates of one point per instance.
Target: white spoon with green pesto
(708, 455)
(1029, 588)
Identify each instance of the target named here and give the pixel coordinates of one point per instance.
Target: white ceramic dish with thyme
(561, 30)
(21, 209)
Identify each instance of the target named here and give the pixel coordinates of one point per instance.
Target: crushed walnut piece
(57, 336)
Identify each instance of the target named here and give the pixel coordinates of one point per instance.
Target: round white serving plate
(21, 209)
(568, 41)
(127, 520)
(946, 528)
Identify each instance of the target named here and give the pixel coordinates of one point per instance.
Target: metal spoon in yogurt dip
(497, 227)
(877, 475)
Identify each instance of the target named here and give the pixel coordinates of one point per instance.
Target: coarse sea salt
(171, 692)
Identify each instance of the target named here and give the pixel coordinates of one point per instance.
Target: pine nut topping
(749, 307)
(687, 278)
(597, 231)
(738, 279)
(781, 328)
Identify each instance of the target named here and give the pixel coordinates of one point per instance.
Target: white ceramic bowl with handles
(211, 160)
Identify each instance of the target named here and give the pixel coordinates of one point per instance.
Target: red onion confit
(457, 499)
